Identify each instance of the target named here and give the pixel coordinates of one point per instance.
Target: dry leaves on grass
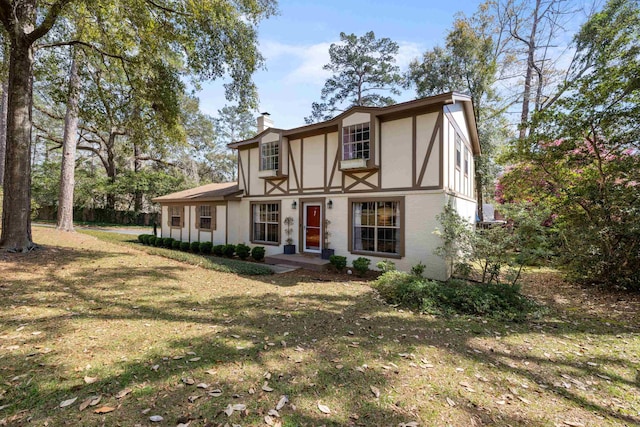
(323, 408)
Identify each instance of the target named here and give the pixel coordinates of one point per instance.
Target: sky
(296, 44)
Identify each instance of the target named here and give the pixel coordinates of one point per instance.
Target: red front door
(312, 227)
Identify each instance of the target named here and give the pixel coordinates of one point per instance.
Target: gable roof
(204, 193)
(417, 104)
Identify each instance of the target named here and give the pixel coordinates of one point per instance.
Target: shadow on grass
(310, 343)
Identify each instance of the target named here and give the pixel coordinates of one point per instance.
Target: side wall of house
(189, 231)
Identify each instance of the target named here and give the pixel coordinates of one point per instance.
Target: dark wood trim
(338, 190)
(371, 162)
(301, 166)
(361, 180)
(249, 172)
(379, 127)
(241, 172)
(275, 186)
(352, 200)
(442, 142)
(292, 165)
(226, 226)
(324, 168)
(313, 132)
(455, 125)
(414, 149)
(301, 203)
(259, 242)
(214, 217)
(427, 157)
(403, 114)
(336, 162)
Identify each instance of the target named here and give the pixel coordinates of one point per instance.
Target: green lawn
(152, 336)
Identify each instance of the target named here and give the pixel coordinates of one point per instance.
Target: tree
(364, 68)
(207, 39)
(582, 159)
(471, 62)
(232, 124)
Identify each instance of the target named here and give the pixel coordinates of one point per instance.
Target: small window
(466, 162)
(458, 151)
(355, 142)
(270, 156)
(266, 222)
(175, 216)
(206, 219)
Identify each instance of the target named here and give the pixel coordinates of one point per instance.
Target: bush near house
(176, 244)
(218, 250)
(229, 250)
(151, 240)
(495, 300)
(159, 242)
(195, 247)
(338, 261)
(205, 247)
(141, 238)
(243, 251)
(168, 242)
(257, 253)
(184, 246)
(361, 265)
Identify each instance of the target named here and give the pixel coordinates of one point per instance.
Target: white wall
(397, 151)
(313, 162)
(356, 118)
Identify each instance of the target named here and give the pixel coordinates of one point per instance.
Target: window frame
(466, 161)
(274, 157)
(458, 152)
(211, 216)
(170, 215)
(363, 141)
(401, 229)
(252, 223)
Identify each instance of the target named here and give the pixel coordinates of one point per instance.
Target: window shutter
(169, 215)
(198, 208)
(214, 217)
(182, 217)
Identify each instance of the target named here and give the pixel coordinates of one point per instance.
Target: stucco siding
(294, 169)
(313, 162)
(397, 151)
(256, 183)
(332, 149)
(243, 165)
(457, 112)
(356, 118)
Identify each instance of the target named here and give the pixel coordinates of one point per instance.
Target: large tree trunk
(67, 173)
(111, 171)
(4, 101)
(16, 216)
(137, 167)
(531, 50)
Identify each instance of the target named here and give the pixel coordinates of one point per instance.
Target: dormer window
(355, 142)
(269, 156)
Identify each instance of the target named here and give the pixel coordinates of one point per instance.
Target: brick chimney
(264, 121)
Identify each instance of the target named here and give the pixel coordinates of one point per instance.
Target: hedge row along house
(369, 182)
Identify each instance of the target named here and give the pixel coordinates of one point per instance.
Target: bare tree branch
(48, 21)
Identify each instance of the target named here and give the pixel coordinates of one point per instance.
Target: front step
(308, 262)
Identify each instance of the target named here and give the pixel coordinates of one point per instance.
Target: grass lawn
(134, 335)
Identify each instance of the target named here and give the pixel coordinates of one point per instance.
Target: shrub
(159, 242)
(361, 265)
(229, 250)
(141, 238)
(205, 247)
(151, 240)
(218, 250)
(195, 247)
(338, 261)
(243, 251)
(175, 244)
(145, 238)
(418, 269)
(184, 246)
(496, 300)
(386, 265)
(257, 253)
(168, 242)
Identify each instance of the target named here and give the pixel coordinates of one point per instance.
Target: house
(368, 182)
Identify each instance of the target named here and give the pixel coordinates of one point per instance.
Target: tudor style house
(369, 182)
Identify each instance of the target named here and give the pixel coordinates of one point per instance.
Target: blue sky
(296, 42)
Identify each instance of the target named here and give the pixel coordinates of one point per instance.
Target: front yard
(132, 336)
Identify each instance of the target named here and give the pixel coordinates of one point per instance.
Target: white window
(458, 151)
(466, 161)
(270, 156)
(205, 217)
(175, 216)
(355, 142)
(266, 222)
(376, 226)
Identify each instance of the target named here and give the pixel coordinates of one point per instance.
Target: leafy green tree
(364, 69)
(206, 39)
(582, 161)
(470, 62)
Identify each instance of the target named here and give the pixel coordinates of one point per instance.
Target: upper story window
(458, 151)
(355, 142)
(270, 156)
(466, 161)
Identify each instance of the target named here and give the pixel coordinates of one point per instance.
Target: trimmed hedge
(195, 247)
(243, 251)
(338, 261)
(218, 250)
(205, 248)
(159, 242)
(257, 253)
(184, 246)
(168, 242)
(229, 250)
(176, 244)
(151, 241)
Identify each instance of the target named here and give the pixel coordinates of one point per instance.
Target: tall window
(270, 156)
(355, 142)
(205, 217)
(466, 161)
(175, 216)
(266, 222)
(458, 151)
(376, 227)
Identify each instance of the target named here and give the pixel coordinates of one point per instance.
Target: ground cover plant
(108, 322)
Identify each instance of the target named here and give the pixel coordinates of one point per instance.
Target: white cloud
(408, 52)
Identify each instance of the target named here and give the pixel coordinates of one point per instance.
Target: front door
(312, 227)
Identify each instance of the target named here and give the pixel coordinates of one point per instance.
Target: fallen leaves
(123, 393)
(104, 410)
(375, 391)
(323, 408)
(91, 401)
(68, 402)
